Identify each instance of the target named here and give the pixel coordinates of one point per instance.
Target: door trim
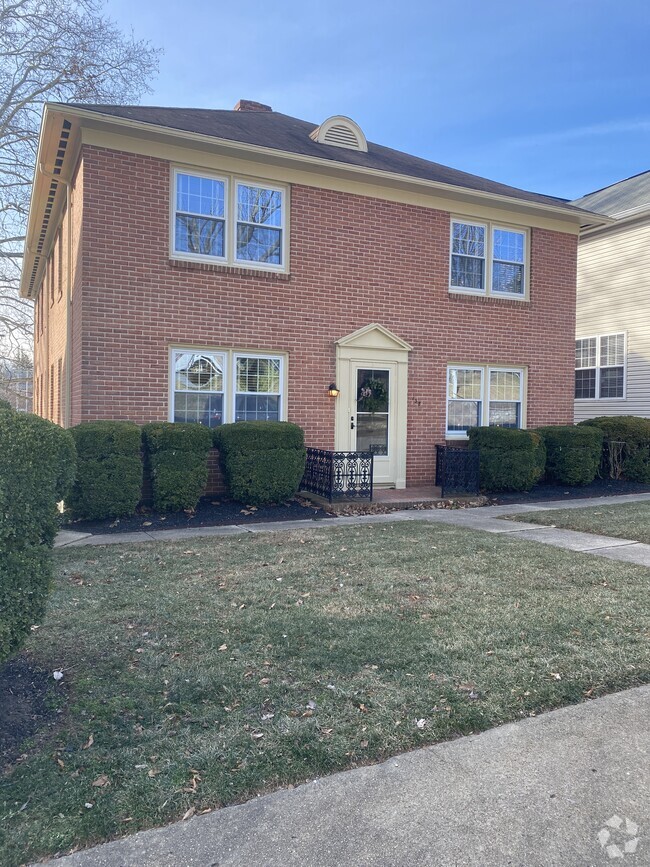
(373, 346)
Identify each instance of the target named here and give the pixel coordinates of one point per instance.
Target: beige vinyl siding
(614, 297)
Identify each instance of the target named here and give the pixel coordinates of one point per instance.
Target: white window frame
(598, 338)
(229, 359)
(486, 370)
(270, 355)
(490, 228)
(231, 181)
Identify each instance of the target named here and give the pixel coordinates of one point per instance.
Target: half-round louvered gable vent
(341, 132)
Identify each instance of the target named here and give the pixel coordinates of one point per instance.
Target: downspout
(67, 392)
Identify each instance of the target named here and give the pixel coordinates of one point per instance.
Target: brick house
(211, 266)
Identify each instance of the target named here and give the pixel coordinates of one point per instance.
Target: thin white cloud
(579, 132)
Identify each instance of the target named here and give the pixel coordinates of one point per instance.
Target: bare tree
(63, 51)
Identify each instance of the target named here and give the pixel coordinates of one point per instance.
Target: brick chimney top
(249, 105)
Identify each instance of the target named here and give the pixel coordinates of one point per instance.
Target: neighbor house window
(229, 221)
(600, 367)
(214, 387)
(483, 395)
(198, 394)
(487, 259)
(258, 385)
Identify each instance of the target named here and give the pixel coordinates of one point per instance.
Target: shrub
(177, 457)
(510, 460)
(36, 468)
(4, 404)
(262, 461)
(109, 472)
(572, 453)
(631, 460)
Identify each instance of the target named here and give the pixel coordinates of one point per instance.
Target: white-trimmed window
(228, 220)
(258, 388)
(600, 367)
(482, 395)
(487, 259)
(212, 387)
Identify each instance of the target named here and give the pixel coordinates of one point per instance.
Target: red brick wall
(354, 260)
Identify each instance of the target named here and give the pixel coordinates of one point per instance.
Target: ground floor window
(212, 387)
(483, 395)
(600, 367)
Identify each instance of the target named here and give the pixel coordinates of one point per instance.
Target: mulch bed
(597, 488)
(26, 707)
(209, 513)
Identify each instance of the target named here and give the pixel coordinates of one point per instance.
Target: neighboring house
(211, 266)
(613, 303)
(16, 382)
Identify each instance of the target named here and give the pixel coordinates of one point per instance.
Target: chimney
(249, 105)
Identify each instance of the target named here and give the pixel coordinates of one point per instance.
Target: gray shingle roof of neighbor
(271, 129)
(620, 199)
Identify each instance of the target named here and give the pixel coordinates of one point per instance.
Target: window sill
(219, 268)
(462, 294)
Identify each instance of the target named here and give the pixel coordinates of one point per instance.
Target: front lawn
(199, 674)
(626, 521)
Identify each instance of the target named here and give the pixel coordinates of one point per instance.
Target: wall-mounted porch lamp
(333, 391)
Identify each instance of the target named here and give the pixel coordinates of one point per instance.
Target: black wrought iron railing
(457, 470)
(338, 475)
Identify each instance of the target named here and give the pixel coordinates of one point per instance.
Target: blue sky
(546, 95)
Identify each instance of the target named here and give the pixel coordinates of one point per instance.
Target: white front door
(372, 401)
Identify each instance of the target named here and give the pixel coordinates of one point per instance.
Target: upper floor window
(229, 221)
(600, 367)
(487, 259)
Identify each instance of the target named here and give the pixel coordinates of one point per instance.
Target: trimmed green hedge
(573, 453)
(36, 470)
(177, 457)
(109, 470)
(262, 461)
(632, 461)
(510, 460)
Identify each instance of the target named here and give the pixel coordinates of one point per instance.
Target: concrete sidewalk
(490, 519)
(570, 788)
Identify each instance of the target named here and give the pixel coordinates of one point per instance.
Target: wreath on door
(372, 396)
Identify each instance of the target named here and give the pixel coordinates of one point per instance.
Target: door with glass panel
(372, 418)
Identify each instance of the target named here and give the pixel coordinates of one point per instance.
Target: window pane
(195, 195)
(505, 414)
(463, 383)
(586, 352)
(505, 385)
(206, 409)
(258, 375)
(585, 384)
(467, 273)
(197, 372)
(372, 433)
(372, 390)
(257, 205)
(468, 240)
(508, 246)
(256, 244)
(250, 407)
(612, 350)
(611, 382)
(508, 278)
(462, 414)
(199, 235)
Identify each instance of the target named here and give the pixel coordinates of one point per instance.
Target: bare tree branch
(63, 51)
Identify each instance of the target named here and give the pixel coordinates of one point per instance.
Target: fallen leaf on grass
(420, 723)
(101, 781)
(153, 772)
(556, 675)
(264, 681)
(223, 647)
(189, 814)
(89, 743)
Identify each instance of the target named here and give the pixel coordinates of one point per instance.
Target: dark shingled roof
(270, 129)
(617, 200)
